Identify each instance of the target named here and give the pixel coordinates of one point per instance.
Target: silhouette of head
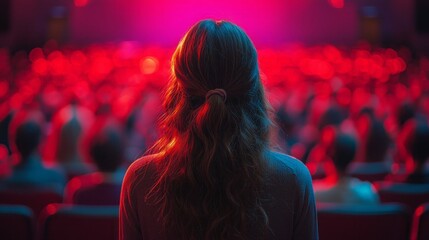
(107, 149)
(344, 151)
(377, 142)
(28, 137)
(417, 142)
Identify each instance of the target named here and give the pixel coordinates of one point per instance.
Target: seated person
(103, 187)
(417, 148)
(374, 164)
(30, 171)
(69, 124)
(339, 187)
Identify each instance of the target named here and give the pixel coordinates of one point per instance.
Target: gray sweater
(290, 206)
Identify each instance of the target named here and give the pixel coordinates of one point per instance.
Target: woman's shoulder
(287, 167)
(285, 163)
(142, 163)
(141, 171)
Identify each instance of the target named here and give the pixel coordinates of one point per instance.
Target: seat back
(16, 222)
(420, 227)
(355, 222)
(370, 177)
(370, 172)
(68, 222)
(412, 195)
(35, 199)
(100, 194)
(92, 189)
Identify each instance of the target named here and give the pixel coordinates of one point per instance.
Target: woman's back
(288, 201)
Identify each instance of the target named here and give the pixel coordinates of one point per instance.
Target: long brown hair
(210, 157)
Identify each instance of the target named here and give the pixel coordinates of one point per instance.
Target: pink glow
(80, 3)
(51, 209)
(163, 22)
(4, 88)
(337, 3)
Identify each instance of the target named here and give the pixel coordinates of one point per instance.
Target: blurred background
(80, 95)
(270, 23)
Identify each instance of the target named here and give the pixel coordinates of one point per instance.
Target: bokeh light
(81, 3)
(149, 65)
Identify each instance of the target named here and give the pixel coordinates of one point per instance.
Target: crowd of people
(72, 118)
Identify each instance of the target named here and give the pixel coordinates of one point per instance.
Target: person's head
(417, 142)
(377, 142)
(27, 138)
(69, 137)
(332, 116)
(404, 113)
(215, 131)
(106, 149)
(343, 151)
(215, 55)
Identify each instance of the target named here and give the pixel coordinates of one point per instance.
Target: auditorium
(214, 119)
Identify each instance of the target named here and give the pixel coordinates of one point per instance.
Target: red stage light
(52, 97)
(40, 66)
(58, 63)
(149, 65)
(4, 88)
(16, 101)
(35, 54)
(78, 58)
(337, 3)
(51, 209)
(81, 3)
(332, 53)
(344, 96)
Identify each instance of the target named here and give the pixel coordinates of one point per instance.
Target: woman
(416, 140)
(211, 174)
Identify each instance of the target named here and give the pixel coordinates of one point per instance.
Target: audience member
(69, 125)
(5, 168)
(30, 170)
(318, 159)
(106, 149)
(375, 162)
(417, 146)
(405, 117)
(338, 187)
(135, 142)
(286, 135)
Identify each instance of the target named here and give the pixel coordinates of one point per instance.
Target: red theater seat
(412, 195)
(356, 222)
(16, 222)
(70, 222)
(420, 227)
(91, 189)
(35, 199)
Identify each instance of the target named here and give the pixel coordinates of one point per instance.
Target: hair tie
(217, 91)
